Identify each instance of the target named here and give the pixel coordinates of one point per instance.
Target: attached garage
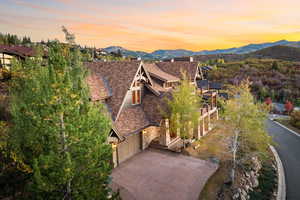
(129, 147)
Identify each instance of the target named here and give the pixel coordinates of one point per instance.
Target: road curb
(283, 126)
(281, 189)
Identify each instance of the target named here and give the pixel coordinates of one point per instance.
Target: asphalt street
(288, 148)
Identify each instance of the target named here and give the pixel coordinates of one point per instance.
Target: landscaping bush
(267, 183)
(295, 119)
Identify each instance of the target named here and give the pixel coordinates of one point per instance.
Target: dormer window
(168, 85)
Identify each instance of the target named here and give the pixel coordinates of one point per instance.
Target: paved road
(288, 147)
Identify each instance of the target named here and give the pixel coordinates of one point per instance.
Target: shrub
(295, 119)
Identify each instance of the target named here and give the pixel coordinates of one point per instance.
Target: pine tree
(57, 131)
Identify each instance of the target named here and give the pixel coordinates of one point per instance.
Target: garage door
(130, 147)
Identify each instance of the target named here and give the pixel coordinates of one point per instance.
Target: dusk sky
(155, 24)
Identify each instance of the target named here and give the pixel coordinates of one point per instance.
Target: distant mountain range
(164, 54)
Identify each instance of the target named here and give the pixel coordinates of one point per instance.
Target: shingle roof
(131, 120)
(215, 85)
(118, 75)
(154, 107)
(203, 84)
(21, 51)
(175, 68)
(158, 73)
(98, 89)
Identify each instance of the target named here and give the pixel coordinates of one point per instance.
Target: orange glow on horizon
(151, 25)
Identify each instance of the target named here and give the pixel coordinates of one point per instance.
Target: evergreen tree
(57, 131)
(275, 65)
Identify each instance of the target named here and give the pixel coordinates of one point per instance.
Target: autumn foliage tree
(57, 131)
(288, 107)
(268, 102)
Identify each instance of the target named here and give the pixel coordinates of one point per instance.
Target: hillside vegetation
(278, 52)
(287, 53)
(277, 79)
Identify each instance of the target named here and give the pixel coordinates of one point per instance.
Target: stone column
(209, 125)
(191, 129)
(178, 129)
(198, 136)
(203, 126)
(114, 155)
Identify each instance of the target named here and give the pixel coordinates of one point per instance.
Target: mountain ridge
(171, 53)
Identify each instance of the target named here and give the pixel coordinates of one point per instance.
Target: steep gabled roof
(119, 76)
(131, 120)
(175, 68)
(158, 73)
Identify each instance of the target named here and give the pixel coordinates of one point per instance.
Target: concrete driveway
(161, 175)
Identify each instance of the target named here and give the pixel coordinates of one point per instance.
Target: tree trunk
(234, 150)
(64, 147)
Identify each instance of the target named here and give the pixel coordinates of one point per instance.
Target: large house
(7, 52)
(134, 93)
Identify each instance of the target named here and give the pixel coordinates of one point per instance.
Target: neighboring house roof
(215, 86)
(21, 51)
(206, 85)
(158, 73)
(131, 120)
(203, 84)
(224, 95)
(175, 68)
(119, 76)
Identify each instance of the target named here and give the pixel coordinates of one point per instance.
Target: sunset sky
(155, 24)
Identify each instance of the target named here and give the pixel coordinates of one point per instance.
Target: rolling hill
(278, 52)
(163, 54)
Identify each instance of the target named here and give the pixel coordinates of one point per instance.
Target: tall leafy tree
(57, 131)
(243, 120)
(184, 108)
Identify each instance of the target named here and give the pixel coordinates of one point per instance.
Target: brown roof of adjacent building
(131, 120)
(176, 68)
(118, 76)
(158, 73)
(21, 51)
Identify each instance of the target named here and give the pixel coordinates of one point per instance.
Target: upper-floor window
(136, 96)
(168, 85)
(136, 84)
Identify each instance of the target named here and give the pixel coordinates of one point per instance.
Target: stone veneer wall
(149, 134)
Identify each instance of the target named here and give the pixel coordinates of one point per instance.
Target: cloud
(154, 24)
